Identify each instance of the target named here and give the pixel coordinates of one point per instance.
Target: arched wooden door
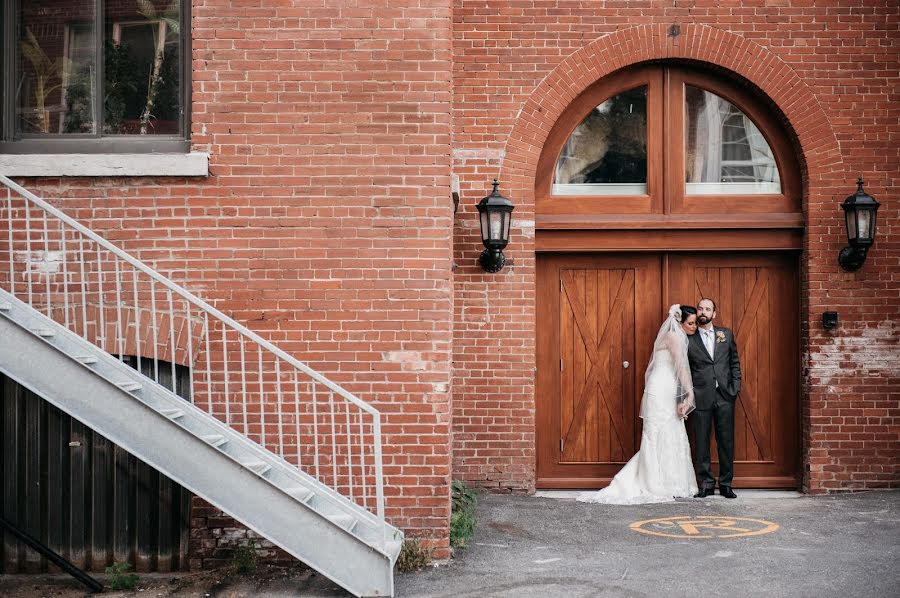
(659, 185)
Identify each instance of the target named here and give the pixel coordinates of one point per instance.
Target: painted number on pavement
(704, 527)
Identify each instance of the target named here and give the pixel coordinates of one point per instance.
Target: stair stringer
(149, 435)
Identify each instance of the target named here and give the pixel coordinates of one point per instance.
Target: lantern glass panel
(850, 215)
(496, 225)
(485, 229)
(864, 218)
(506, 228)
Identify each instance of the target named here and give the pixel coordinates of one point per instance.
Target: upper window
(654, 141)
(607, 152)
(86, 74)
(725, 153)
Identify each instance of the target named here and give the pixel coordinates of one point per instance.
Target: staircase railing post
(379, 475)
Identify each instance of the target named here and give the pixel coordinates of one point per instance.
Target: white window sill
(192, 164)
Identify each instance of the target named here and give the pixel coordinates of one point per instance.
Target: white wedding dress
(662, 469)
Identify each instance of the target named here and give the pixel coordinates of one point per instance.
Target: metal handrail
(196, 301)
(209, 310)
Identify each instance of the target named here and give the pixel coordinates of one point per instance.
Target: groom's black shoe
(727, 492)
(704, 492)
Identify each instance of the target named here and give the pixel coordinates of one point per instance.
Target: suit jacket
(723, 367)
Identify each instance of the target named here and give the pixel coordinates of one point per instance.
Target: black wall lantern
(495, 213)
(859, 213)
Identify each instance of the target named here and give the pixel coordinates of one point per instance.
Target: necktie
(709, 341)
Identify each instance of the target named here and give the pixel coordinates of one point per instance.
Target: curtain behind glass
(725, 152)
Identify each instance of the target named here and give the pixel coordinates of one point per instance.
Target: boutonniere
(720, 336)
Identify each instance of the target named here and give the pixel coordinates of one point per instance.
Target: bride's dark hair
(687, 310)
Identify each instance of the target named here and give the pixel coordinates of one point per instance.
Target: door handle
(625, 364)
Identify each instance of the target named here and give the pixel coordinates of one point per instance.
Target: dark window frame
(97, 143)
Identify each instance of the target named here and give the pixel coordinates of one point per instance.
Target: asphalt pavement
(768, 544)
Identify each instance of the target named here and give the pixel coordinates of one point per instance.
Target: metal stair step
(258, 467)
(172, 413)
(347, 522)
(43, 332)
(129, 385)
(5, 306)
(86, 359)
(301, 494)
(214, 439)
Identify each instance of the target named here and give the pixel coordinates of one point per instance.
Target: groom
(716, 373)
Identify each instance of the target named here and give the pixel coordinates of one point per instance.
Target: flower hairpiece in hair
(675, 312)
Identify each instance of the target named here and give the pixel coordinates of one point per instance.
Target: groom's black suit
(717, 382)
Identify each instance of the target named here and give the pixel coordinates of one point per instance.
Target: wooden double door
(598, 315)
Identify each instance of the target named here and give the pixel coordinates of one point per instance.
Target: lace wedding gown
(661, 470)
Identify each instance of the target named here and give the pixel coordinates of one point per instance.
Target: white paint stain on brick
(232, 534)
(410, 361)
(41, 262)
(461, 156)
(526, 227)
(872, 351)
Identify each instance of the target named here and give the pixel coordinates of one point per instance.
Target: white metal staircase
(266, 439)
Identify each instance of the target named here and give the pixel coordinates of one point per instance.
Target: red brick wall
(325, 224)
(216, 539)
(832, 70)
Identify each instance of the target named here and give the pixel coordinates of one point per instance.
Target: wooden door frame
(665, 220)
(547, 384)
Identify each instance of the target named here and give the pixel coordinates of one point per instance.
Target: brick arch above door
(824, 174)
(819, 149)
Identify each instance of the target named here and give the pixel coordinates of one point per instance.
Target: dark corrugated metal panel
(83, 496)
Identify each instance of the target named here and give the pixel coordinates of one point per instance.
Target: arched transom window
(666, 140)
(725, 152)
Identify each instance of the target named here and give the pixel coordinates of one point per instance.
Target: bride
(662, 469)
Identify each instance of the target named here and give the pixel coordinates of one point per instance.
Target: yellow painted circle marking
(704, 527)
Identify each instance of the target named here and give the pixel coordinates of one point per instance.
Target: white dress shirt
(709, 341)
